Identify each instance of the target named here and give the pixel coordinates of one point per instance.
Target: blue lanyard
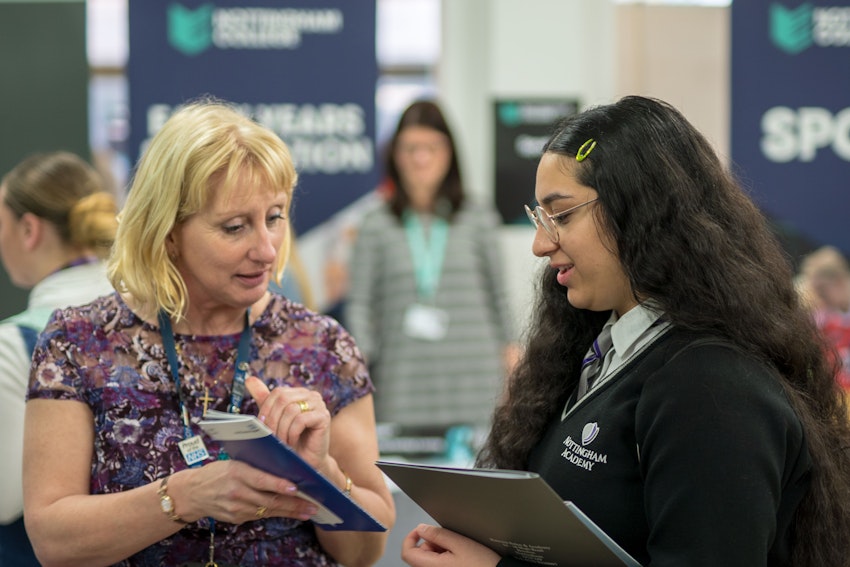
(236, 396)
(240, 373)
(427, 254)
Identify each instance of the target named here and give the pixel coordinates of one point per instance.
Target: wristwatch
(167, 504)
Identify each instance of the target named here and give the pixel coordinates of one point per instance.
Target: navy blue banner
(791, 113)
(307, 70)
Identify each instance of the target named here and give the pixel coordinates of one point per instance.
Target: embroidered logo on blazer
(589, 433)
(579, 454)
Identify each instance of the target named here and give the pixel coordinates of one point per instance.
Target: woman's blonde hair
(65, 190)
(204, 144)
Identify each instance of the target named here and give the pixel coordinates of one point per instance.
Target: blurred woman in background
(57, 222)
(427, 302)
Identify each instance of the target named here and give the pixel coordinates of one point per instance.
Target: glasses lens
(547, 224)
(531, 216)
(538, 218)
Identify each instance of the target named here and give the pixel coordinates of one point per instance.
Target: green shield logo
(190, 31)
(509, 113)
(791, 30)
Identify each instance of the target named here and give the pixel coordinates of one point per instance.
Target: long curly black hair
(689, 237)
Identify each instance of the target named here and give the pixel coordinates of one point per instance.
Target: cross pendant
(206, 398)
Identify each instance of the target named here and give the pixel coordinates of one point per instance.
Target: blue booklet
(515, 513)
(247, 439)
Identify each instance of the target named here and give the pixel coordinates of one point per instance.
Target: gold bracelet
(167, 504)
(348, 483)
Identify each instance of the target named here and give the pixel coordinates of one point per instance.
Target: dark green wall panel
(43, 92)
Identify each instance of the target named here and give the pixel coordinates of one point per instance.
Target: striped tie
(592, 363)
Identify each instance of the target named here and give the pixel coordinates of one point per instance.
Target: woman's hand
(235, 492)
(298, 417)
(431, 546)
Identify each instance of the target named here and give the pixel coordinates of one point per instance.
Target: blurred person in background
(57, 224)
(427, 300)
(824, 280)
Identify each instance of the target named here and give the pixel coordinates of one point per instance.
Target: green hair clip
(585, 149)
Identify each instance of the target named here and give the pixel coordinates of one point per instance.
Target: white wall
(680, 54)
(595, 51)
(506, 48)
(519, 48)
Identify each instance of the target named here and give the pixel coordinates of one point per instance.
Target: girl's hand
(432, 546)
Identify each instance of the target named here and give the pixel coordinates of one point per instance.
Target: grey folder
(512, 512)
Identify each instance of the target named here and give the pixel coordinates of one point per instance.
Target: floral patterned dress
(103, 355)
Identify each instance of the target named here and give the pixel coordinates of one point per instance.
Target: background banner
(790, 135)
(522, 126)
(307, 70)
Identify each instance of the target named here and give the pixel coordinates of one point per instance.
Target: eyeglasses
(410, 148)
(539, 217)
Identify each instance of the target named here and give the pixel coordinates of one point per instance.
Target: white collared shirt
(630, 335)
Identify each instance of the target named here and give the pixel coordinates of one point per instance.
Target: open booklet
(245, 438)
(514, 513)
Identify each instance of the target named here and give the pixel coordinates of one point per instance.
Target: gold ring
(304, 406)
(261, 511)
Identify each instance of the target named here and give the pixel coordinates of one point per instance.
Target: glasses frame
(540, 218)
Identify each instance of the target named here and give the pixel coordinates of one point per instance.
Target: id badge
(426, 322)
(193, 449)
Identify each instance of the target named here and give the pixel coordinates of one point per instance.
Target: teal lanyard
(243, 352)
(427, 254)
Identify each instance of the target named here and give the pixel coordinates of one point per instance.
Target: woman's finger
(258, 389)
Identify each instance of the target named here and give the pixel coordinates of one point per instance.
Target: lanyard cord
(240, 373)
(237, 393)
(427, 254)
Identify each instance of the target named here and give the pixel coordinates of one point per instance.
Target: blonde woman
(203, 232)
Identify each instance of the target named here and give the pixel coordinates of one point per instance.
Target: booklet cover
(514, 513)
(247, 439)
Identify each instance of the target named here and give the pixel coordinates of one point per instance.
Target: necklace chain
(206, 398)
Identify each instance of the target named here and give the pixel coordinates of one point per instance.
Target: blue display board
(791, 113)
(307, 70)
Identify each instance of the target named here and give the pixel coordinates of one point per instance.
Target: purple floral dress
(106, 357)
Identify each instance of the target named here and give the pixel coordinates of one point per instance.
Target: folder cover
(247, 439)
(514, 513)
